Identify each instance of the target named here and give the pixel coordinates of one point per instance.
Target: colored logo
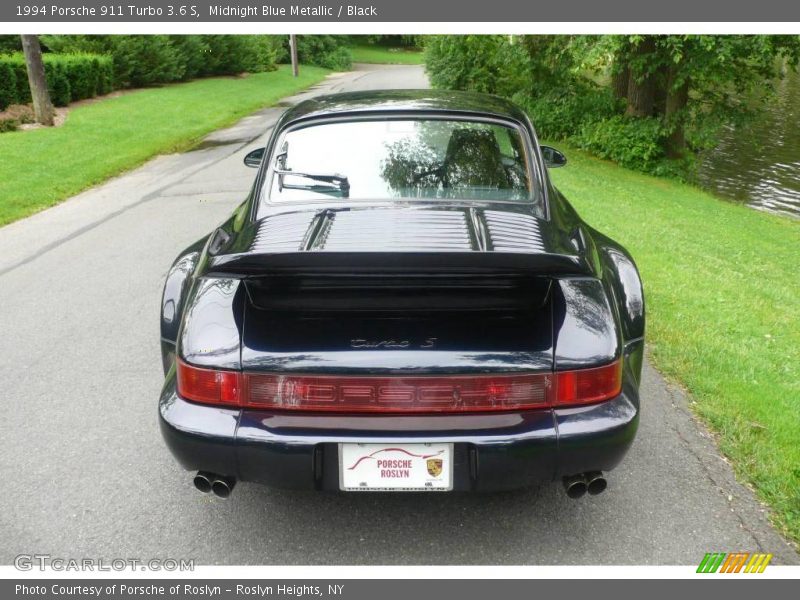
(735, 562)
(434, 466)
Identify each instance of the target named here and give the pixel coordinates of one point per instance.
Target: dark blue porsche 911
(403, 302)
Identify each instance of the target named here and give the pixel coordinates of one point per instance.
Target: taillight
(588, 386)
(209, 386)
(430, 394)
(398, 394)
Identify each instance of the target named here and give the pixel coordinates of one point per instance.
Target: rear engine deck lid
(353, 343)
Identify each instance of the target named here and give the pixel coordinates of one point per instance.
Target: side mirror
(254, 158)
(553, 158)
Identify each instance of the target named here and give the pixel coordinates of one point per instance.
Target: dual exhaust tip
(220, 485)
(577, 485)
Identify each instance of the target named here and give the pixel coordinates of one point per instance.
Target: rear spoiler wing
(249, 266)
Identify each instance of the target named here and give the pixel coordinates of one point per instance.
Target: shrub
(564, 111)
(223, 55)
(80, 71)
(8, 85)
(327, 51)
(17, 87)
(105, 74)
(481, 63)
(233, 54)
(192, 51)
(57, 83)
(142, 60)
(260, 53)
(10, 43)
(87, 75)
(83, 66)
(70, 77)
(633, 143)
(16, 116)
(338, 59)
(16, 62)
(76, 44)
(156, 59)
(139, 60)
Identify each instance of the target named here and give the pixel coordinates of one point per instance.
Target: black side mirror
(553, 158)
(254, 158)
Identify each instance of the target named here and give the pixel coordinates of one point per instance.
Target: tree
(642, 77)
(638, 99)
(677, 99)
(293, 54)
(620, 77)
(42, 105)
(699, 81)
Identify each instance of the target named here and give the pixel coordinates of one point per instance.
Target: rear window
(395, 159)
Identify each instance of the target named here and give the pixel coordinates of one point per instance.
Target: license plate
(396, 467)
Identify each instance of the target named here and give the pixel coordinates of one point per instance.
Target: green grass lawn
(385, 55)
(41, 167)
(722, 286)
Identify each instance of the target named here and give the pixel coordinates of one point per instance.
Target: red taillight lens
(209, 386)
(398, 394)
(432, 394)
(588, 386)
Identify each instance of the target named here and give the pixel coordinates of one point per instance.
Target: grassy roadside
(41, 167)
(386, 56)
(723, 296)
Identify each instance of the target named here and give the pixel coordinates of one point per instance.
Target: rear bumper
(492, 451)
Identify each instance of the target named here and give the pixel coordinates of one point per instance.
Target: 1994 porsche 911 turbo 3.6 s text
(403, 302)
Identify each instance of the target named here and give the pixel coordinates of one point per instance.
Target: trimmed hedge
(83, 66)
(8, 84)
(146, 60)
(70, 77)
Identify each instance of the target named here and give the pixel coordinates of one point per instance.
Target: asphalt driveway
(87, 474)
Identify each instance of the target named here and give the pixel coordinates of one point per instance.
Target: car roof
(392, 101)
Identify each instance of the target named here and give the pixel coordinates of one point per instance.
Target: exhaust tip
(223, 486)
(596, 483)
(575, 486)
(202, 481)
